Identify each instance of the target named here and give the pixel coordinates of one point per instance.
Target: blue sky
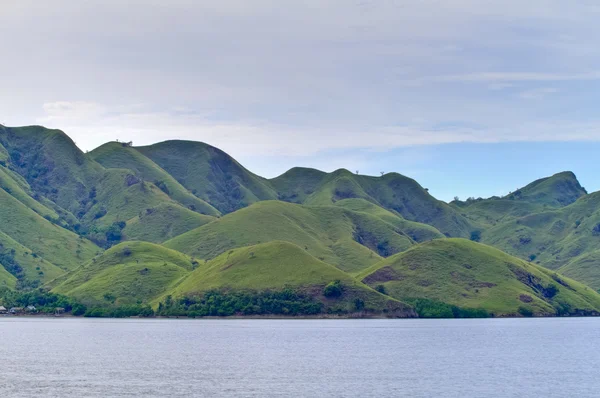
(469, 97)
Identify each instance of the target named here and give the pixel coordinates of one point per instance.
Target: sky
(469, 97)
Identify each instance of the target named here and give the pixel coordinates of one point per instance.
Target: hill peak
(560, 189)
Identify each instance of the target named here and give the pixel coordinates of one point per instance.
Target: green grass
(394, 192)
(559, 190)
(6, 279)
(51, 242)
(471, 275)
(119, 201)
(163, 222)
(35, 268)
(19, 190)
(555, 237)
(584, 268)
(210, 174)
(129, 273)
(417, 231)
(273, 266)
(51, 162)
(4, 156)
(349, 240)
(117, 155)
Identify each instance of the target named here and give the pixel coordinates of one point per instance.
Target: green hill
(121, 156)
(417, 231)
(51, 163)
(165, 221)
(349, 240)
(392, 191)
(24, 263)
(7, 280)
(51, 242)
(210, 174)
(559, 190)
(126, 274)
(275, 265)
(584, 268)
(472, 275)
(553, 238)
(304, 229)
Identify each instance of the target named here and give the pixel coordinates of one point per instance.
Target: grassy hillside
(471, 275)
(584, 268)
(129, 273)
(51, 242)
(392, 191)
(559, 190)
(51, 163)
(542, 195)
(24, 263)
(19, 189)
(417, 231)
(210, 174)
(163, 222)
(274, 265)
(554, 238)
(121, 156)
(6, 279)
(349, 240)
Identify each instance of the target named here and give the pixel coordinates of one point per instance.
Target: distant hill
(349, 240)
(180, 224)
(472, 275)
(210, 174)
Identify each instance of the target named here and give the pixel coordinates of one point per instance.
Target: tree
(333, 289)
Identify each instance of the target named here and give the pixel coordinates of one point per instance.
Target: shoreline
(279, 317)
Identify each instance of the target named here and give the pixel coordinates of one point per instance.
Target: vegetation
(349, 240)
(131, 273)
(216, 303)
(44, 302)
(466, 274)
(182, 228)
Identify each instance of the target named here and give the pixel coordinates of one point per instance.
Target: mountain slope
(163, 222)
(25, 264)
(7, 280)
(275, 265)
(554, 238)
(51, 242)
(51, 163)
(584, 268)
(120, 156)
(210, 174)
(129, 273)
(558, 190)
(471, 275)
(346, 239)
(391, 191)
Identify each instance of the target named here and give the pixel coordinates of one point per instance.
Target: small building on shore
(3, 309)
(16, 310)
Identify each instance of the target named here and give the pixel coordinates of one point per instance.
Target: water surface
(79, 357)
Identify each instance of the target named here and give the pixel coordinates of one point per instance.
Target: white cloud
(303, 77)
(91, 125)
(538, 93)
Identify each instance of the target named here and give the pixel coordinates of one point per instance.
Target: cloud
(92, 124)
(303, 78)
(538, 93)
(501, 77)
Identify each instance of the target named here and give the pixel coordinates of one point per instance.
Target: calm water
(338, 358)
